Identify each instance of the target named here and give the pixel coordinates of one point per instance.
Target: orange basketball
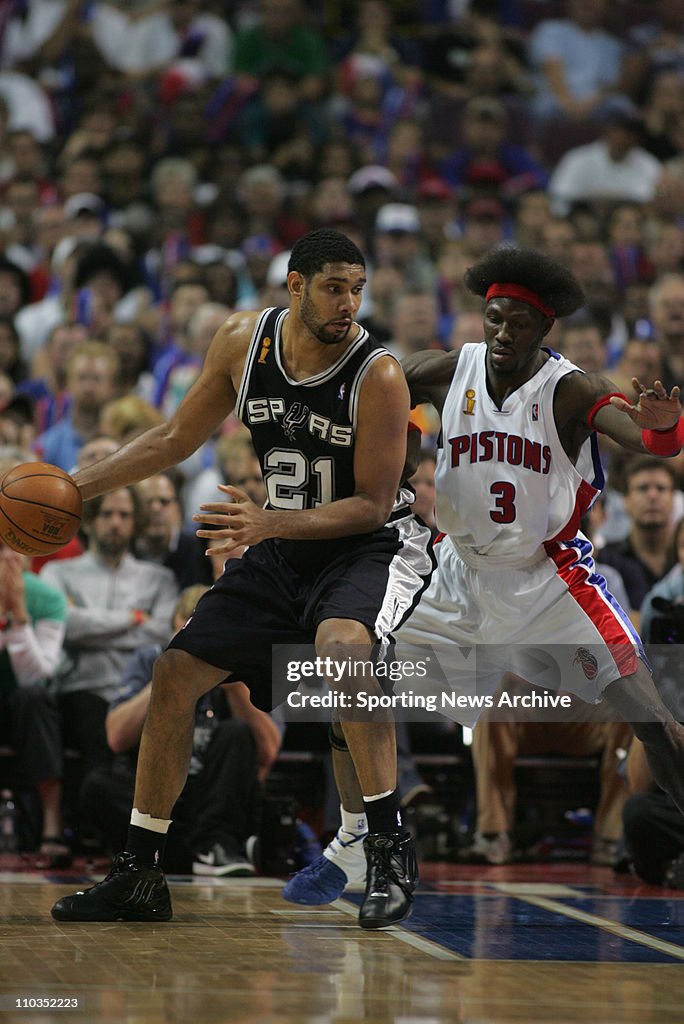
(40, 508)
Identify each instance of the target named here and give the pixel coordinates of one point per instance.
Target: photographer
(653, 826)
(662, 628)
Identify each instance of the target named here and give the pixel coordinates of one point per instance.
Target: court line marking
(621, 931)
(432, 949)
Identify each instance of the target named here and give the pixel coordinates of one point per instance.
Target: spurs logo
(295, 417)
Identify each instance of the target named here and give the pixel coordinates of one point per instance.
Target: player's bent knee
(179, 677)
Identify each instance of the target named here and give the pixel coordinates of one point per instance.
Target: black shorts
(260, 600)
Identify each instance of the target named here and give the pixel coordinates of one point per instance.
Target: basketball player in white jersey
(516, 470)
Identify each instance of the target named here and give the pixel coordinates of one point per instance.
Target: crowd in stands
(158, 159)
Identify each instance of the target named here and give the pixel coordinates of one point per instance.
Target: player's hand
(654, 408)
(240, 521)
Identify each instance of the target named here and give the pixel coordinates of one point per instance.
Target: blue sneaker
(325, 880)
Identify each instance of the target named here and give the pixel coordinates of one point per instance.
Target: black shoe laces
(385, 866)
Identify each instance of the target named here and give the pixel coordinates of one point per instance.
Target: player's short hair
(311, 252)
(508, 264)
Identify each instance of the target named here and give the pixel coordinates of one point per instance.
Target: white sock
(346, 849)
(143, 820)
(353, 822)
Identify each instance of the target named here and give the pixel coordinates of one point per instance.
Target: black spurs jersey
(303, 431)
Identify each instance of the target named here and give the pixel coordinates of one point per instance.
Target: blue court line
(502, 927)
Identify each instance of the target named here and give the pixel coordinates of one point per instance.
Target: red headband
(519, 291)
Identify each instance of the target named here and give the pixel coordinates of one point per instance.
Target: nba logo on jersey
(469, 406)
(535, 412)
(341, 393)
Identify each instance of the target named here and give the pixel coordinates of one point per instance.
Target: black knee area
(336, 742)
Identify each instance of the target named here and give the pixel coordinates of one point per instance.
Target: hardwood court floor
(559, 943)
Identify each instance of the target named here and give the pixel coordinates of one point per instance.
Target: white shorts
(553, 622)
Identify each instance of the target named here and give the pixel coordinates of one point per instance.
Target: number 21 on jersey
(294, 483)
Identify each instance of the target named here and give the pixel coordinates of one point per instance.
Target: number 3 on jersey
(292, 483)
(504, 510)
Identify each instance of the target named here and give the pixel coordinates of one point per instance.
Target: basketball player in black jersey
(335, 557)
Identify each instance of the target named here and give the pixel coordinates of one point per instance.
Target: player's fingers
(213, 534)
(619, 403)
(223, 549)
(236, 493)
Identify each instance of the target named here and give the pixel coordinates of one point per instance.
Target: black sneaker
(391, 878)
(220, 862)
(128, 893)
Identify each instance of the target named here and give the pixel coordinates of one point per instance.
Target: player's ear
(549, 321)
(295, 283)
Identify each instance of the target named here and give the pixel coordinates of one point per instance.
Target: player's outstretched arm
(429, 376)
(651, 423)
(211, 398)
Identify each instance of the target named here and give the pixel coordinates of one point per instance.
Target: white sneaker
(496, 849)
(219, 863)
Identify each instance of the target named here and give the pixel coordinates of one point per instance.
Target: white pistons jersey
(505, 486)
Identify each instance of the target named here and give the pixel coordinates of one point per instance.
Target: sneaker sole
(66, 917)
(379, 925)
(242, 871)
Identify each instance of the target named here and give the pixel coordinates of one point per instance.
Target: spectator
(653, 46)
(117, 603)
(576, 61)
(162, 539)
(487, 155)
(11, 362)
(218, 808)
(666, 304)
(133, 346)
(614, 168)
(398, 242)
(582, 343)
(653, 826)
(640, 358)
(235, 463)
(201, 328)
(91, 375)
(665, 247)
(645, 555)
(125, 418)
(282, 40)
(467, 327)
(15, 288)
(33, 617)
(36, 320)
(496, 744)
(47, 385)
(483, 225)
(662, 627)
(186, 298)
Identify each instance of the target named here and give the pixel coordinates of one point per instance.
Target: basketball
(40, 508)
